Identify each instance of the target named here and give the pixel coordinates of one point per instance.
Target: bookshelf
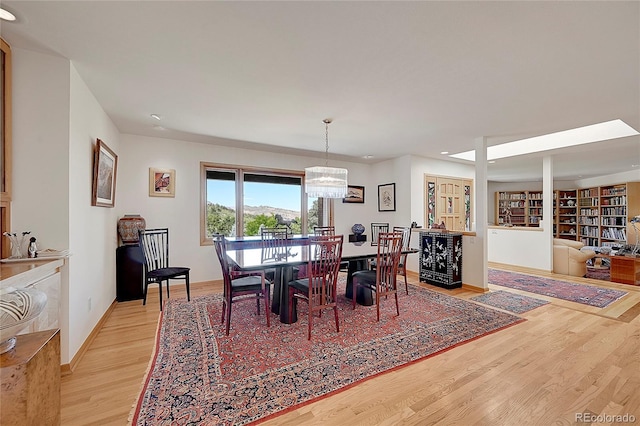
(565, 214)
(519, 208)
(597, 216)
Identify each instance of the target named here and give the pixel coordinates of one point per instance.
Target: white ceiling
(397, 78)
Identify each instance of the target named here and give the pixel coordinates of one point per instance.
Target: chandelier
(325, 181)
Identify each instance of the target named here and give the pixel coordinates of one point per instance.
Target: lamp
(325, 181)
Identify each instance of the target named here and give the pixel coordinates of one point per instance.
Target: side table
(625, 270)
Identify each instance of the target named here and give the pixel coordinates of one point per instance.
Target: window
(237, 201)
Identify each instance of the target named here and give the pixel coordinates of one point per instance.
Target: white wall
(182, 213)
(92, 236)
(56, 121)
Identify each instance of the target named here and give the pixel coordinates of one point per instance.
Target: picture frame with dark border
(162, 182)
(387, 197)
(355, 194)
(105, 167)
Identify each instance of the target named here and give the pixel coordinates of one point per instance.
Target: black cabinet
(129, 273)
(441, 259)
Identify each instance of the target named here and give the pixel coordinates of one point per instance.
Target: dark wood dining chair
(324, 230)
(157, 269)
(377, 228)
(240, 285)
(406, 240)
(274, 246)
(319, 287)
(382, 281)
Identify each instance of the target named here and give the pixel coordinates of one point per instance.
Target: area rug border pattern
(153, 362)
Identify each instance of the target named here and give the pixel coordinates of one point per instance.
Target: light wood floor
(566, 359)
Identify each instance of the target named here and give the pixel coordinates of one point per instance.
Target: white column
(547, 209)
(479, 242)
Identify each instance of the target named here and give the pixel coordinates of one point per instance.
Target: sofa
(569, 259)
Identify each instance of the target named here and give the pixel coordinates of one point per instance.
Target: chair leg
(267, 295)
(335, 313)
(397, 305)
(188, 292)
(310, 321)
(228, 316)
(406, 285)
(160, 291)
(378, 304)
(354, 293)
(167, 289)
(224, 309)
(144, 296)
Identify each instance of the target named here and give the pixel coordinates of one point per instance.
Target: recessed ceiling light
(368, 156)
(582, 135)
(6, 15)
(156, 116)
(444, 152)
(492, 162)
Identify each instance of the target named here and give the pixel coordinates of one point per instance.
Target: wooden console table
(30, 376)
(625, 270)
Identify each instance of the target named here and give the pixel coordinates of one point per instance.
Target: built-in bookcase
(597, 216)
(565, 214)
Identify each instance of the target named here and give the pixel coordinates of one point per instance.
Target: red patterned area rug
(198, 375)
(580, 293)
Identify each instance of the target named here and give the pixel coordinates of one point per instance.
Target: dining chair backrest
(274, 242)
(324, 230)
(387, 260)
(155, 248)
(325, 253)
(406, 236)
(220, 244)
(376, 229)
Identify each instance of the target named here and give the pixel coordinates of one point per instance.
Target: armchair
(568, 259)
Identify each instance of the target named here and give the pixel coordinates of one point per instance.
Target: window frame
(240, 171)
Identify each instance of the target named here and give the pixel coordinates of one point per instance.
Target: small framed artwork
(355, 194)
(162, 182)
(105, 166)
(387, 197)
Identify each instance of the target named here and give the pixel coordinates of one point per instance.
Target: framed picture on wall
(105, 166)
(355, 194)
(387, 197)
(162, 182)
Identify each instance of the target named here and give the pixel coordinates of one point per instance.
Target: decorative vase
(128, 227)
(18, 307)
(358, 229)
(17, 244)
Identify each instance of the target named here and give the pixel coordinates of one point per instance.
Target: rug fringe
(152, 360)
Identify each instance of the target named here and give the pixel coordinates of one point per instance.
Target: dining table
(249, 257)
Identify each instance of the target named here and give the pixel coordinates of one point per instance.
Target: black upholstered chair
(157, 269)
(383, 279)
(377, 228)
(240, 285)
(319, 287)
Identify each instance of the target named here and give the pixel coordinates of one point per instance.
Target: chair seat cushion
(248, 283)
(302, 284)
(165, 273)
(365, 278)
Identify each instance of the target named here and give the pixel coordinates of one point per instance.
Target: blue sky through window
(255, 194)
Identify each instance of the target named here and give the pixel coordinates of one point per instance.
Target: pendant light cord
(326, 121)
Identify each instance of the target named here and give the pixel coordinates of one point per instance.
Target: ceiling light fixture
(582, 135)
(325, 181)
(6, 15)
(156, 116)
